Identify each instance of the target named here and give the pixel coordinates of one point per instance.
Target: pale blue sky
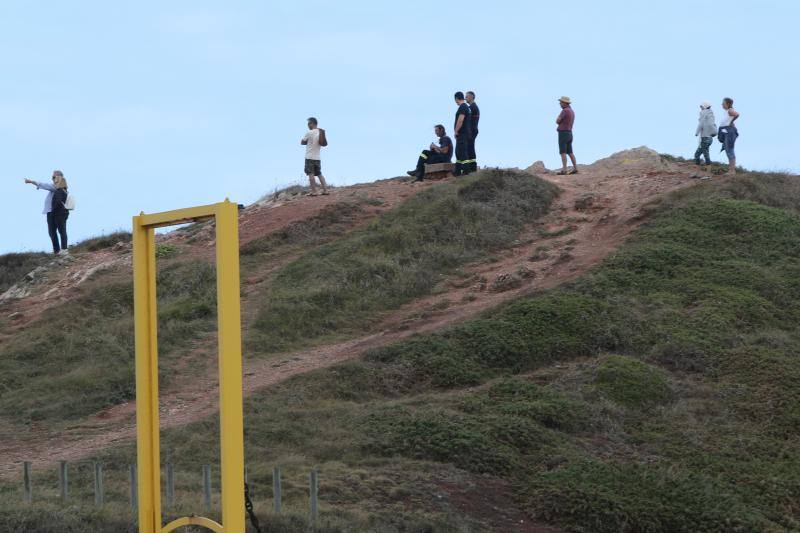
(158, 105)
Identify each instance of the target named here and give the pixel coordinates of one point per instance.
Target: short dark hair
(313, 120)
(472, 93)
(439, 126)
(728, 101)
(459, 95)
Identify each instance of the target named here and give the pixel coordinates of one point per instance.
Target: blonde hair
(58, 180)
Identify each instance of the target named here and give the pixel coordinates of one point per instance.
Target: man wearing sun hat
(565, 121)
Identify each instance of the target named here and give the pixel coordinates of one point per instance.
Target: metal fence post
(170, 485)
(276, 489)
(63, 480)
(99, 496)
(26, 482)
(207, 487)
(134, 487)
(313, 487)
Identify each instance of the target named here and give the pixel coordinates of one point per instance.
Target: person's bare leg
(324, 185)
(574, 163)
(564, 163)
(312, 182)
(732, 165)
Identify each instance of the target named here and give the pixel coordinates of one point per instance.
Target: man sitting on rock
(443, 153)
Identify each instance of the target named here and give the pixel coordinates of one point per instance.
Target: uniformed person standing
(472, 165)
(461, 129)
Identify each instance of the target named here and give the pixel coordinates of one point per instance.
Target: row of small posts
(99, 494)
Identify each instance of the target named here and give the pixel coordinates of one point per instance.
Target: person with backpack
(706, 130)
(313, 140)
(55, 207)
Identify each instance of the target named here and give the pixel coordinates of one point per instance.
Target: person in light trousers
(706, 130)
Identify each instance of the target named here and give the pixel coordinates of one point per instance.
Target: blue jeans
(728, 136)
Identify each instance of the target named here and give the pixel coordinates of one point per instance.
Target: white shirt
(726, 119)
(312, 144)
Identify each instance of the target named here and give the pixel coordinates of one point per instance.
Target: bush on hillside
(13, 267)
(102, 242)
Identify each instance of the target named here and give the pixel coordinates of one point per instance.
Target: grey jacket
(706, 125)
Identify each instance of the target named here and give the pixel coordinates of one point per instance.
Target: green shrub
(517, 398)
(611, 497)
(523, 336)
(436, 436)
(103, 241)
(164, 251)
(632, 383)
(13, 267)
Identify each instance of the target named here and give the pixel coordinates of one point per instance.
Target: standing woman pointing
(55, 209)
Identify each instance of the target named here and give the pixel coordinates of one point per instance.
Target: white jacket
(706, 125)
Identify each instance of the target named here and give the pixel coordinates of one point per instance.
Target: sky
(150, 106)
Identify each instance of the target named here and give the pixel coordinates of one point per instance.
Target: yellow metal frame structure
(230, 367)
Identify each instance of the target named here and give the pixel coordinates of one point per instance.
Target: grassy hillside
(657, 393)
(78, 358)
(344, 286)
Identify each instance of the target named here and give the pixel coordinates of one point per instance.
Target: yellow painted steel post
(147, 424)
(230, 368)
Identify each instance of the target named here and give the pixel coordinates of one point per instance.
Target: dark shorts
(313, 167)
(564, 142)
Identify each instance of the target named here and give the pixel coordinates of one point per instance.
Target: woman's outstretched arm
(41, 185)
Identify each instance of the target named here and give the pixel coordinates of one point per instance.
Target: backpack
(69, 203)
(323, 140)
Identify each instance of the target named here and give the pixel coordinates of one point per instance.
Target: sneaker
(573, 171)
(412, 173)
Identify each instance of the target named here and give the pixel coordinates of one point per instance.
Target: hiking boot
(573, 171)
(412, 173)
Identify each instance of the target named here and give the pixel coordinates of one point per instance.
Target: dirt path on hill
(596, 212)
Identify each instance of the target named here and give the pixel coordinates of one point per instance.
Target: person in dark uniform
(463, 134)
(436, 154)
(476, 116)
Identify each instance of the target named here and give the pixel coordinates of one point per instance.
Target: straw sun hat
(565, 99)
